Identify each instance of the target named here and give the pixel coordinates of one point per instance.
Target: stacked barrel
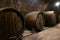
(38, 20)
(11, 24)
(49, 18)
(34, 21)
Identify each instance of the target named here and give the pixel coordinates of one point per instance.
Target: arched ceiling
(40, 4)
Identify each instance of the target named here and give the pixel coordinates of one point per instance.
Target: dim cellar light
(57, 4)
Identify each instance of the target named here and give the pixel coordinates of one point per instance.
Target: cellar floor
(28, 32)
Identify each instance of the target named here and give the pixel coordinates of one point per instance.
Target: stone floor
(28, 32)
(52, 33)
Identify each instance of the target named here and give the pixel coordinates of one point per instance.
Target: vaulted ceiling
(38, 0)
(40, 4)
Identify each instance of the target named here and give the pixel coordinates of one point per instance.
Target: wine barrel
(48, 34)
(34, 21)
(49, 18)
(11, 24)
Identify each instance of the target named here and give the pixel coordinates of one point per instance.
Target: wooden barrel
(49, 18)
(11, 24)
(34, 20)
(48, 34)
